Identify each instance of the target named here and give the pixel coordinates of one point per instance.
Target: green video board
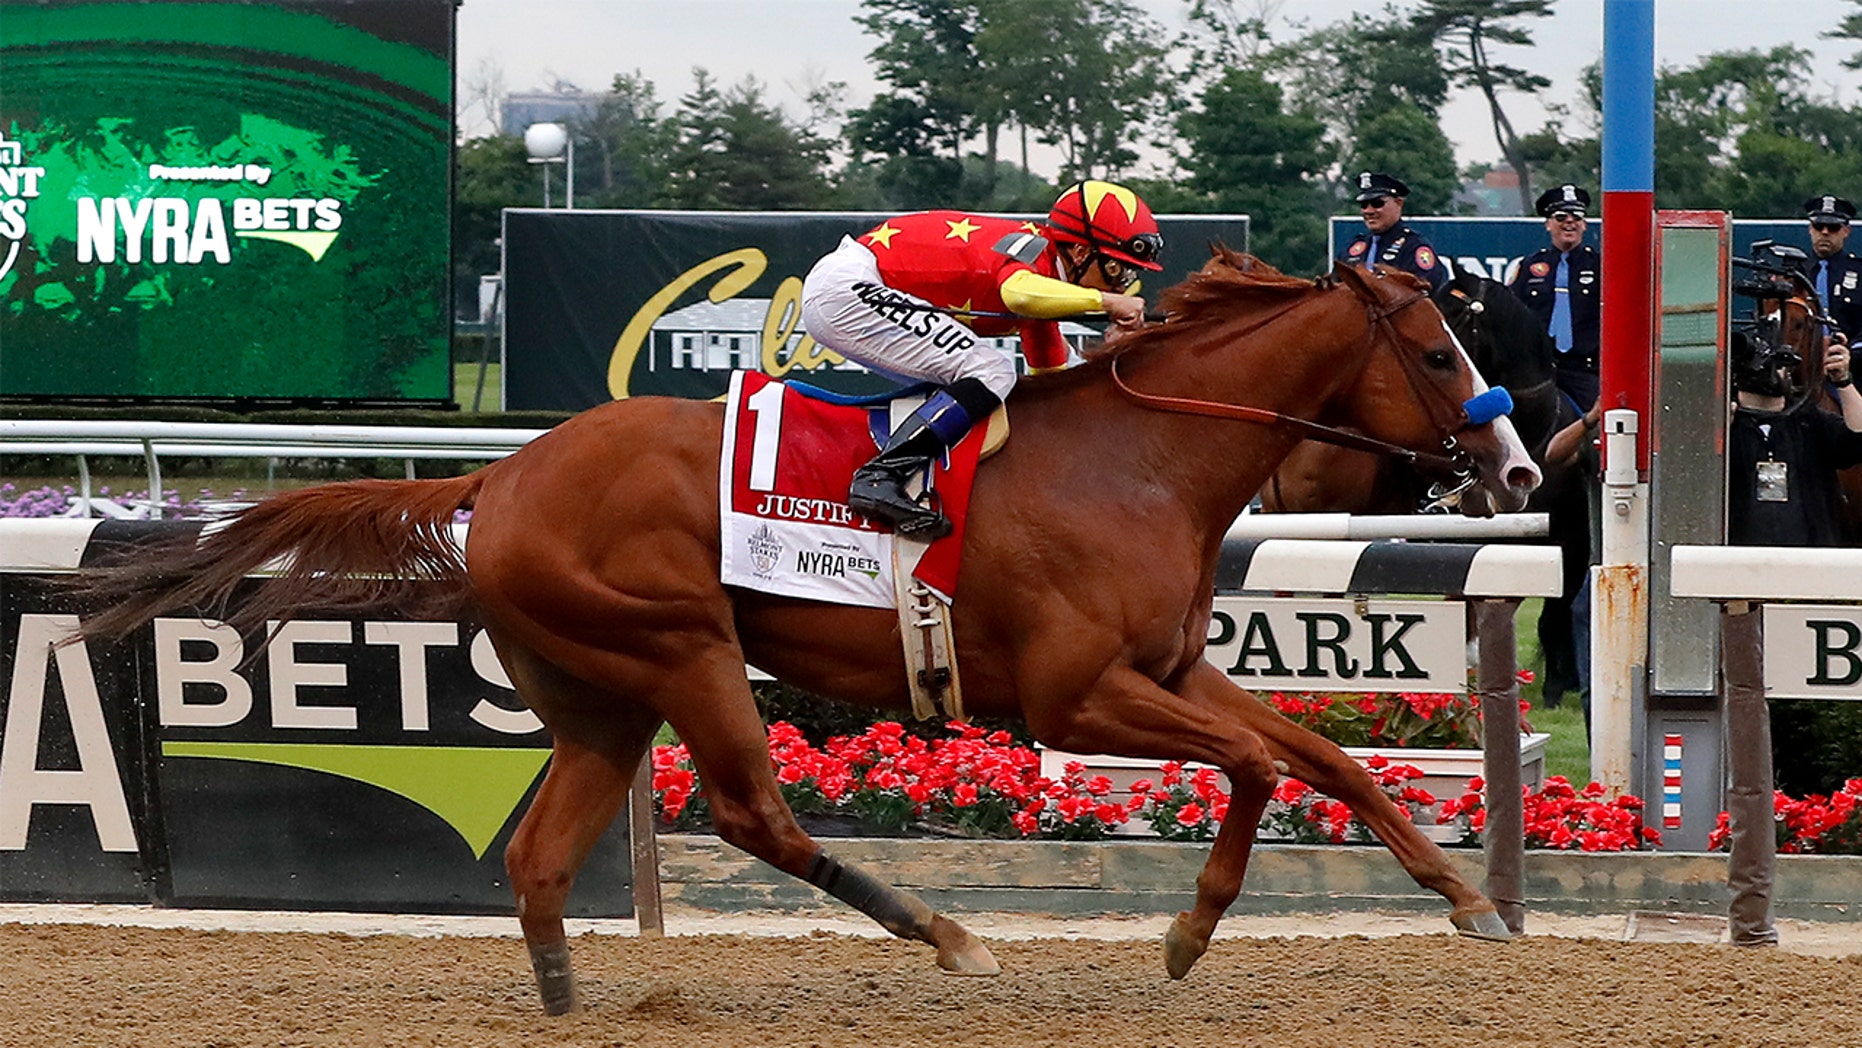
(225, 200)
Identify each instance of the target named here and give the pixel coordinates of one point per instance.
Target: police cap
(1829, 208)
(1374, 184)
(1563, 198)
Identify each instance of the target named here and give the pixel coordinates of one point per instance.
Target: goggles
(1372, 205)
(1567, 216)
(1143, 248)
(1829, 227)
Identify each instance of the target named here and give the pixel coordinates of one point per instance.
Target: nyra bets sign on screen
(225, 199)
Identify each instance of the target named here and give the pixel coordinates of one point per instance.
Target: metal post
(1750, 813)
(155, 479)
(1619, 607)
(1497, 681)
(644, 845)
(569, 173)
(84, 485)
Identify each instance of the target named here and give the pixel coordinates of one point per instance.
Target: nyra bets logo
(19, 183)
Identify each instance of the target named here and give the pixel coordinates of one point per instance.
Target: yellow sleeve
(1033, 295)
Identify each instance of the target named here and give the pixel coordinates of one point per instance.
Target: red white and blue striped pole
(1619, 585)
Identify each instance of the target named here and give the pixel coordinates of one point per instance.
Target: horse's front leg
(1128, 714)
(1319, 763)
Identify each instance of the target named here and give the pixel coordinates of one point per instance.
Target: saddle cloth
(784, 471)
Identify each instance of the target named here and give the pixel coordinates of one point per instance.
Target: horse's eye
(1439, 359)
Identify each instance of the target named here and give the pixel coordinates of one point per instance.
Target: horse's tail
(344, 547)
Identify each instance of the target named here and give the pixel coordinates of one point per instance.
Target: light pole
(552, 144)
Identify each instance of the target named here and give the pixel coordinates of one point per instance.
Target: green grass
(1567, 752)
(465, 383)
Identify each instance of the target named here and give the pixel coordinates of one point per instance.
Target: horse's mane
(1230, 282)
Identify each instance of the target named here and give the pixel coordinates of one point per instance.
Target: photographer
(1782, 487)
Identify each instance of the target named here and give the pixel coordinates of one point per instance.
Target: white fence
(151, 440)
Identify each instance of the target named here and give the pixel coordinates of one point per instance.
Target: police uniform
(1839, 277)
(1536, 283)
(1400, 246)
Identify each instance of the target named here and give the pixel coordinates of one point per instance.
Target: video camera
(1762, 359)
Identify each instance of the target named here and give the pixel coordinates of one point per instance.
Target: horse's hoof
(1181, 949)
(960, 953)
(1482, 924)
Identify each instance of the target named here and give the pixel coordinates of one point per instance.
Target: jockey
(909, 298)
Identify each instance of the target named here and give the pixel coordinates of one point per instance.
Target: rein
(1454, 462)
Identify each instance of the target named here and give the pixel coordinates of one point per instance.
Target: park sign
(605, 305)
(221, 200)
(1282, 644)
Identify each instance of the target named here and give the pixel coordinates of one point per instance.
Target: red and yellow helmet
(1111, 220)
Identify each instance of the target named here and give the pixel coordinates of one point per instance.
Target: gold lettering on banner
(746, 264)
(783, 320)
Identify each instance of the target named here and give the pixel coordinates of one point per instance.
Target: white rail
(152, 440)
(1391, 526)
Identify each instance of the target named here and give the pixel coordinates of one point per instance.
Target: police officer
(1560, 283)
(1834, 271)
(1386, 240)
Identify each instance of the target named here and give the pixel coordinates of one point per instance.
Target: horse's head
(1416, 386)
(1502, 335)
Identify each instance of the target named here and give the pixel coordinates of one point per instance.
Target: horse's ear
(1353, 277)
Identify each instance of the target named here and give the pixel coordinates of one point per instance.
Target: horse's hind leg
(599, 742)
(730, 750)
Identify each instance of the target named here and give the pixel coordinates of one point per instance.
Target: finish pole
(1619, 586)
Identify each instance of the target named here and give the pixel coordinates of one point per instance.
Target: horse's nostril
(1523, 478)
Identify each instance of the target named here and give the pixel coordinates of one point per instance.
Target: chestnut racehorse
(1085, 594)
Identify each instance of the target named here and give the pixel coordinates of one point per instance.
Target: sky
(791, 44)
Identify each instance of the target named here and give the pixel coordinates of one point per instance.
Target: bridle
(1448, 419)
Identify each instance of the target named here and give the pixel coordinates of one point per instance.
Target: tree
(1084, 75)
(490, 174)
(1849, 29)
(1469, 29)
(940, 97)
(734, 151)
(1406, 139)
(629, 145)
(1738, 130)
(1247, 153)
(1348, 76)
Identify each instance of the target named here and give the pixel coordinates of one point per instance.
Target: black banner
(75, 752)
(359, 763)
(602, 305)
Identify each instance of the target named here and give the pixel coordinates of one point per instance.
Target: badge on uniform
(1773, 481)
(1425, 259)
(1539, 269)
(1356, 249)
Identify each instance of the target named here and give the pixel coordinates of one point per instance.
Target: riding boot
(878, 488)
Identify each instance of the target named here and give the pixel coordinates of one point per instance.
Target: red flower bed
(1560, 817)
(977, 784)
(1815, 825)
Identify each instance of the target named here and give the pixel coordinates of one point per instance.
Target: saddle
(788, 456)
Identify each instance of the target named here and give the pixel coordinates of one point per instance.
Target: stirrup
(909, 519)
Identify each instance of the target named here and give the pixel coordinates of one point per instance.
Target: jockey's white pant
(848, 308)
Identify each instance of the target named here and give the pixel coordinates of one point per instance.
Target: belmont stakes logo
(18, 184)
(765, 551)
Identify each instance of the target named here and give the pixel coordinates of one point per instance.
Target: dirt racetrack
(138, 987)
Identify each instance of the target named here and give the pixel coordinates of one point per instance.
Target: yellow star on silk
(960, 229)
(883, 235)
